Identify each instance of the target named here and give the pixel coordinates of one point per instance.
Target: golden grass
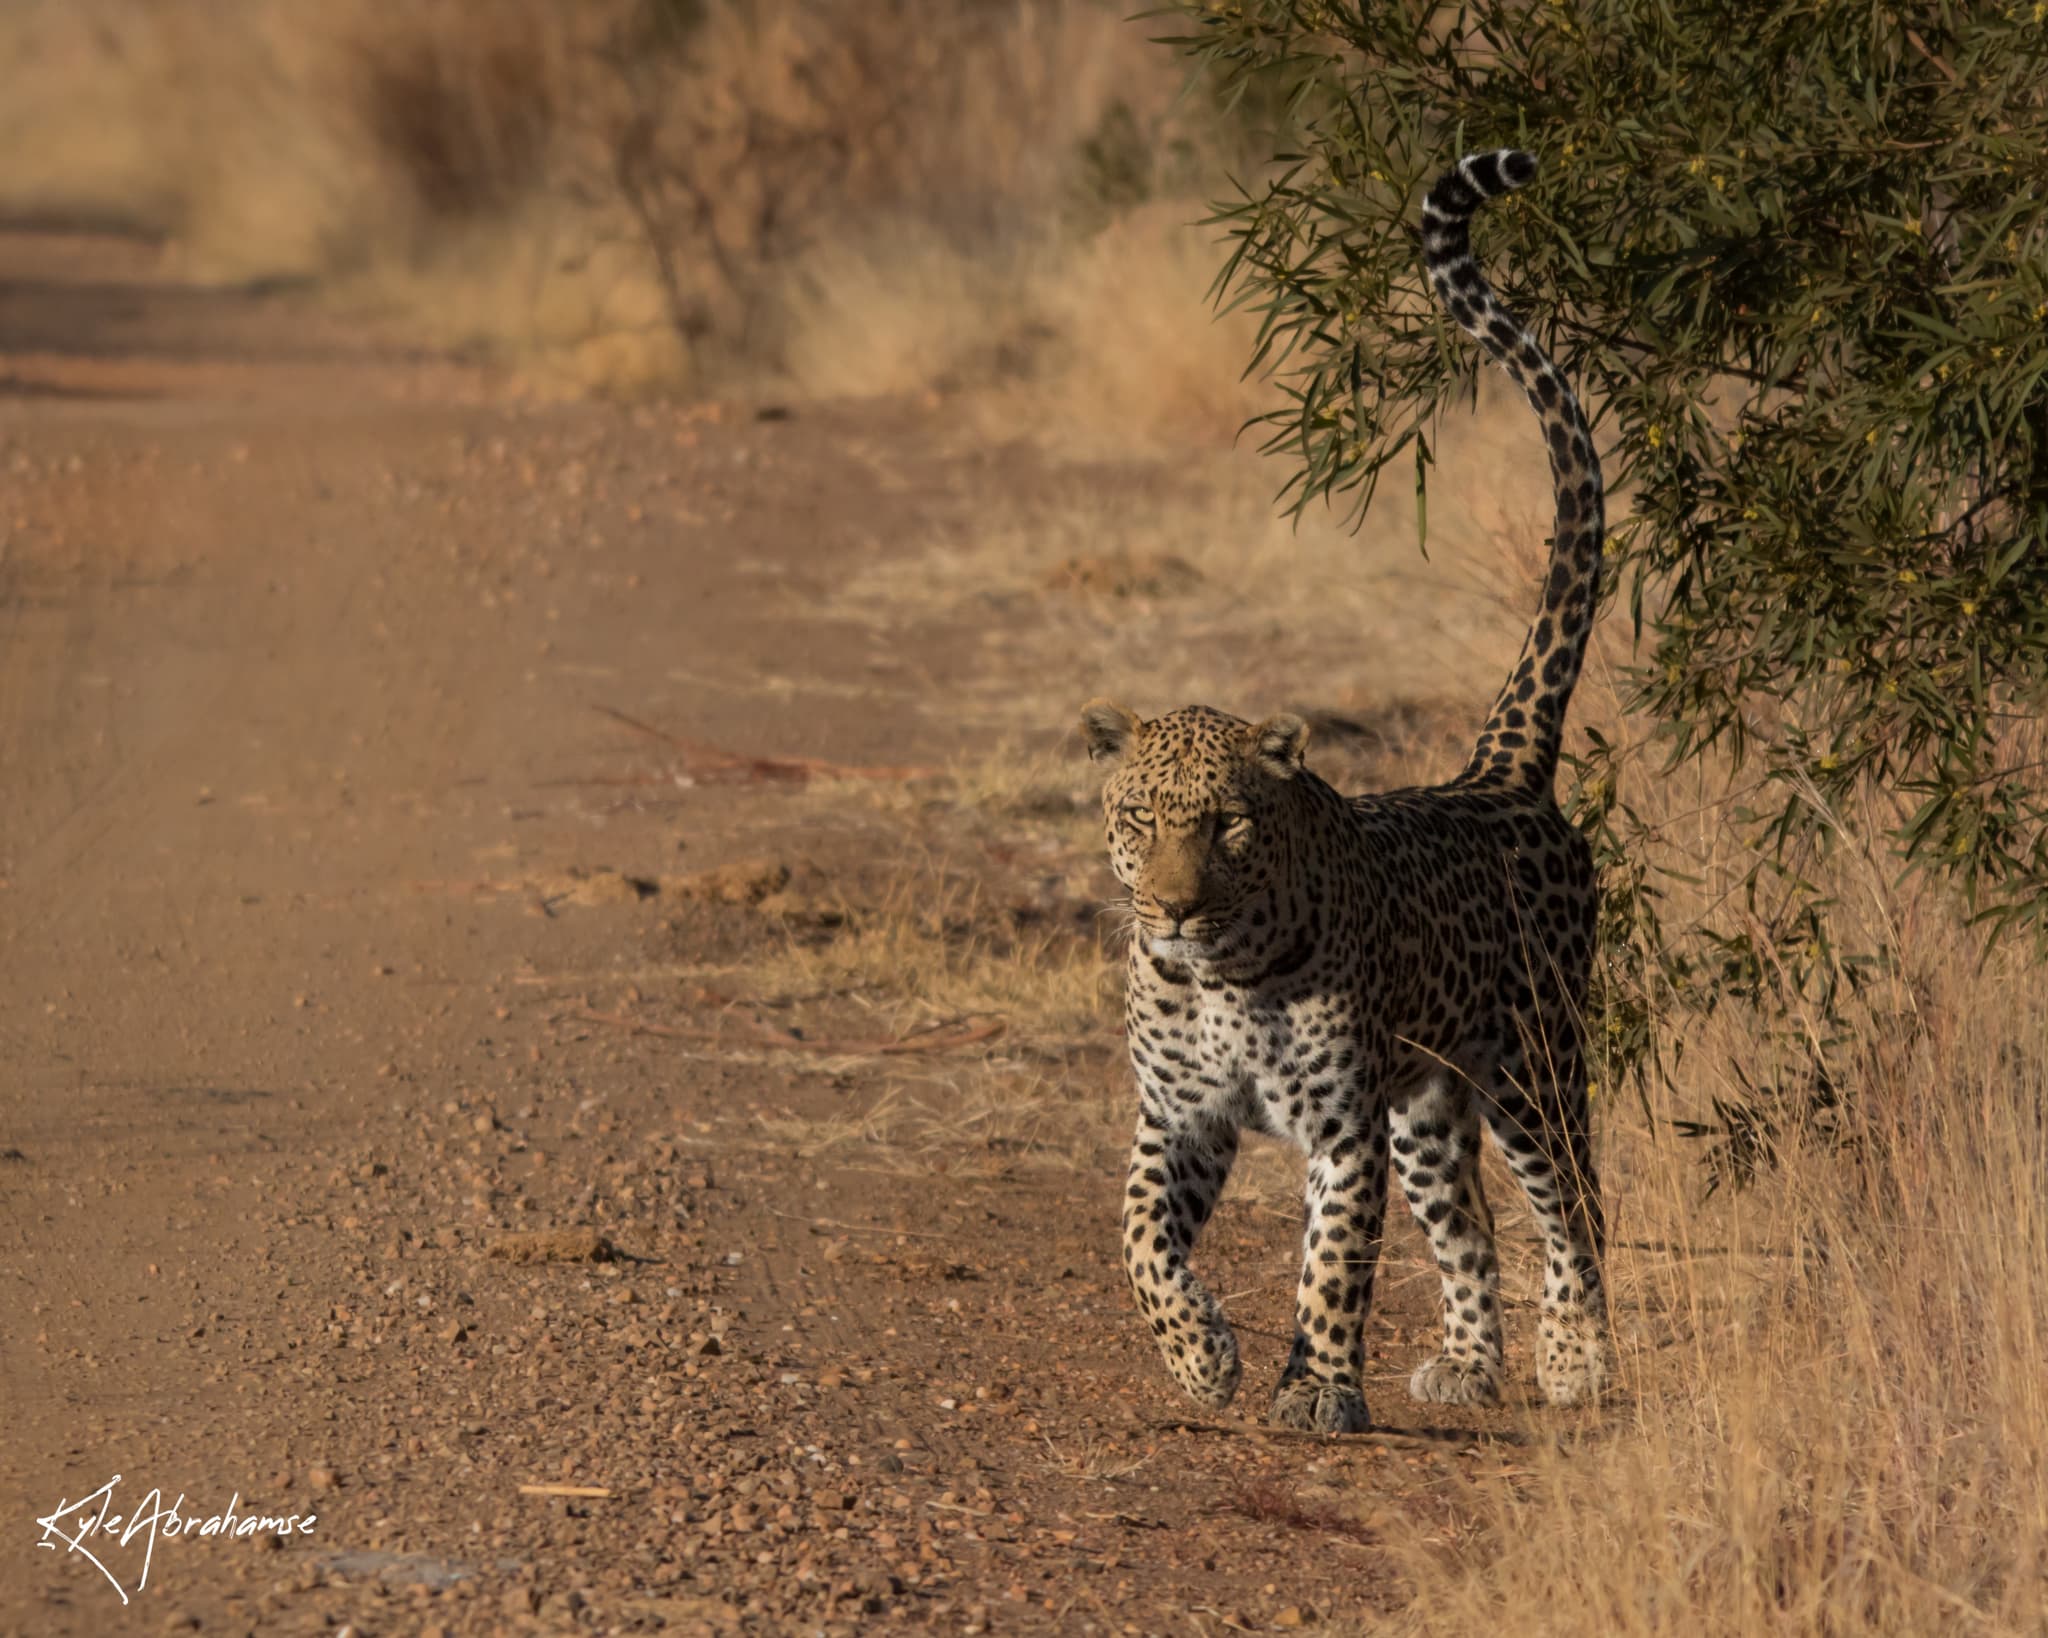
(1084, 343)
(932, 947)
(1181, 584)
(1834, 1415)
(935, 943)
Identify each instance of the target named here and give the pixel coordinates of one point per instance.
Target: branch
(1642, 349)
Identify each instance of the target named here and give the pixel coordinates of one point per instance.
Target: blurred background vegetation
(863, 195)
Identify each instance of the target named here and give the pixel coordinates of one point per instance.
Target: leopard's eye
(1236, 825)
(1138, 816)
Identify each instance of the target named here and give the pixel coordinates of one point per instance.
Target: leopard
(1374, 977)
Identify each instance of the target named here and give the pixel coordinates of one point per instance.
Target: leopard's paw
(1319, 1407)
(1571, 1360)
(1446, 1381)
(1203, 1359)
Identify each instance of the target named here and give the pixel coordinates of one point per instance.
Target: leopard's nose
(1177, 910)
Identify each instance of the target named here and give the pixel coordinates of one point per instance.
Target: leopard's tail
(1519, 744)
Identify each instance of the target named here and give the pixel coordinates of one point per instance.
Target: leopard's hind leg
(1435, 1145)
(1535, 1103)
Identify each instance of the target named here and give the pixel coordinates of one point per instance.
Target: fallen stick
(1460, 1443)
(763, 1036)
(825, 1225)
(710, 760)
(575, 1245)
(592, 1492)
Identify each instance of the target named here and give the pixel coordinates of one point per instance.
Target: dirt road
(406, 846)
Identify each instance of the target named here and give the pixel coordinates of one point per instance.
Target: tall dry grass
(1835, 1413)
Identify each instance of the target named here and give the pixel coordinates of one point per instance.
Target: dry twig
(708, 762)
(929, 1041)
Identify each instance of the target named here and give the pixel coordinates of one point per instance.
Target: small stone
(322, 1478)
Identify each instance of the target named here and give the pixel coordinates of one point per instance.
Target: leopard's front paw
(1204, 1361)
(1310, 1406)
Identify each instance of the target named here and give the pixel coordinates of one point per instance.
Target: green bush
(1797, 257)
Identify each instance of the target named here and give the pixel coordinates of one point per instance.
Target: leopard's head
(1196, 804)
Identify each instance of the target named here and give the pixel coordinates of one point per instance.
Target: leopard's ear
(1280, 743)
(1106, 729)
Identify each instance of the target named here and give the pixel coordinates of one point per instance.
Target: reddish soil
(318, 998)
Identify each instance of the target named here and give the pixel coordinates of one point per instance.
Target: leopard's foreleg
(1179, 1161)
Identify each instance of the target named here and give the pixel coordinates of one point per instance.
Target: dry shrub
(459, 104)
(278, 138)
(895, 197)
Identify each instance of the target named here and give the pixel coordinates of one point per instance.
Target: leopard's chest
(1284, 1069)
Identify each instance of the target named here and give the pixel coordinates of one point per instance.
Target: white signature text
(91, 1527)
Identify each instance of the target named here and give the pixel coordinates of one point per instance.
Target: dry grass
(1835, 1417)
(1180, 583)
(942, 962)
(1091, 1461)
(989, 1120)
(277, 138)
(1086, 343)
(935, 945)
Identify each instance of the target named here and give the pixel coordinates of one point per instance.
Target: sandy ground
(348, 934)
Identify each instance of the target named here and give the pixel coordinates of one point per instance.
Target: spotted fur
(1373, 977)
